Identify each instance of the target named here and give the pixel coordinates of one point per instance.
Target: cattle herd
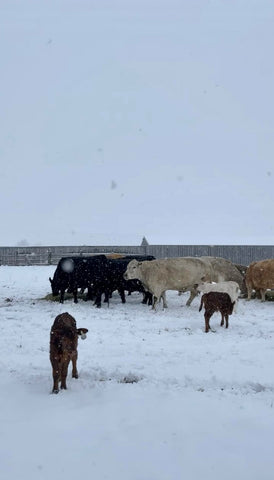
(219, 280)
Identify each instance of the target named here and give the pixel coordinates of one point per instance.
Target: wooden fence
(240, 254)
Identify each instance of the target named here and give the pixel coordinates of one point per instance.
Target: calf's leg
(208, 315)
(64, 373)
(224, 318)
(155, 300)
(74, 365)
(222, 321)
(55, 375)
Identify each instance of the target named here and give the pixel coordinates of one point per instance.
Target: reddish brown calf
(63, 348)
(216, 302)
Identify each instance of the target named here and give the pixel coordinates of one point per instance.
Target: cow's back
(224, 270)
(63, 333)
(64, 320)
(176, 273)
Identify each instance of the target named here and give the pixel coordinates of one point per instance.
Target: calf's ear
(82, 332)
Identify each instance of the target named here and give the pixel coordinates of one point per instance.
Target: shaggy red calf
(63, 348)
(216, 302)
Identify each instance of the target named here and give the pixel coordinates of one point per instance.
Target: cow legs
(235, 305)
(62, 294)
(208, 315)
(64, 372)
(55, 388)
(157, 298)
(121, 292)
(75, 295)
(107, 295)
(55, 373)
(262, 292)
(55, 376)
(222, 321)
(225, 317)
(249, 291)
(193, 293)
(98, 298)
(74, 365)
(163, 297)
(147, 298)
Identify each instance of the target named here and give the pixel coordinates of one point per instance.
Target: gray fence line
(240, 254)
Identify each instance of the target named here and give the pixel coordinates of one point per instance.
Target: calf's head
(82, 332)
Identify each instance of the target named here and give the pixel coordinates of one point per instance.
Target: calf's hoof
(55, 391)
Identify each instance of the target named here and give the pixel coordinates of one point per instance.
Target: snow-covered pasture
(156, 398)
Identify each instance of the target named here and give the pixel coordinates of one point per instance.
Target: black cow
(77, 272)
(113, 279)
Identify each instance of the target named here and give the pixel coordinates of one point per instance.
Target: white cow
(181, 273)
(229, 287)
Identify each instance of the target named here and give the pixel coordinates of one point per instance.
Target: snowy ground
(200, 405)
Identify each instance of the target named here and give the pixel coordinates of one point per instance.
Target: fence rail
(240, 254)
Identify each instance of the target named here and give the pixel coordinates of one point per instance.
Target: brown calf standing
(63, 348)
(216, 302)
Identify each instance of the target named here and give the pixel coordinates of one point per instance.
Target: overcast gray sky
(121, 119)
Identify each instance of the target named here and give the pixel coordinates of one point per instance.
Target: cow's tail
(201, 304)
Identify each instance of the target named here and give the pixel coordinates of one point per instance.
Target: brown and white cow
(63, 348)
(216, 302)
(181, 273)
(230, 287)
(260, 277)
